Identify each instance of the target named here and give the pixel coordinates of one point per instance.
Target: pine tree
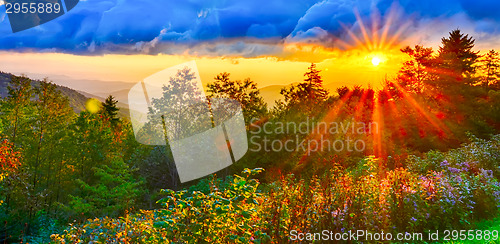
(182, 106)
(110, 110)
(490, 69)
(114, 191)
(314, 84)
(456, 58)
(307, 93)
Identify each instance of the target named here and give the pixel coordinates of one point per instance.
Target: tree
(490, 69)
(182, 109)
(307, 93)
(114, 191)
(456, 58)
(17, 106)
(44, 151)
(110, 111)
(418, 70)
(245, 92)
(91, 142)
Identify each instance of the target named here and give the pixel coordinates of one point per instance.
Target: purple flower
(454, 170)
(444, 163)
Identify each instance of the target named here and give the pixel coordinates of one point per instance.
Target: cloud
(245, 28)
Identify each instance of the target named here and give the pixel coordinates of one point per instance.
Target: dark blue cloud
(486, 9)
(152, 26)
(426, 8)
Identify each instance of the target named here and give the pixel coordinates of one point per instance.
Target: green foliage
(110, 111)
(57, 152)
(451, 195)
(182, 110)
(456, 58)
(245, 92)
(114, 192)
(228, 215)
(57, 166)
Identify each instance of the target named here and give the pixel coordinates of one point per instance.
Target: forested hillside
(76, 100)
(421, 154)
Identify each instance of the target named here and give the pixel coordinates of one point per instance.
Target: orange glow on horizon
(341, 67)
(366, 59)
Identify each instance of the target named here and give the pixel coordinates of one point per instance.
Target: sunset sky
(273, 42)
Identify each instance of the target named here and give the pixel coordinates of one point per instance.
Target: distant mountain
(97, 87)
(272, 93)
(332, 87)
(77, 99)
(123, 112)
(121, 95)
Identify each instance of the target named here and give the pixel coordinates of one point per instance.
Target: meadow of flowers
(452, 190)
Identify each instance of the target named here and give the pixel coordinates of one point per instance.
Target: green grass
(493, 224)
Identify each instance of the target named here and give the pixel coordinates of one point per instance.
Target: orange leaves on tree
(9, 158)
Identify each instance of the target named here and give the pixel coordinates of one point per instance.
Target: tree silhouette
(490, 69)
(456, 58)
(307, 93)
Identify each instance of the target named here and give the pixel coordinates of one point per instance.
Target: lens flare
(93, 105)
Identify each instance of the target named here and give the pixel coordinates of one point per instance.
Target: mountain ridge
(76, 99)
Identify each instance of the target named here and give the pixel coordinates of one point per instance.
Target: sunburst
(384, 37)
(376, 36)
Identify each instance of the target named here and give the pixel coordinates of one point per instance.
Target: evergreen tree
(314, 84)
(182, 110)
(490, 69)
(456, 58)
(110, 110)
(114, 191)
(307, 93)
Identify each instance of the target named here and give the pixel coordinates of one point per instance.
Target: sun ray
(396, 35)
(377, 136)
(438, 125)
(329, 117)
(363, 30)
(375, 26)
(343, 43)
(358, 42)
(358, 108)
(385, 31)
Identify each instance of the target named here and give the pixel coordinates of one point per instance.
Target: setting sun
(376, 61)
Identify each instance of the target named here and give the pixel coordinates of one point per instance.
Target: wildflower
(454, 170)
(444, 163)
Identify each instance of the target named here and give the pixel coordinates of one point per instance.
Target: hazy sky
(272, 42)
